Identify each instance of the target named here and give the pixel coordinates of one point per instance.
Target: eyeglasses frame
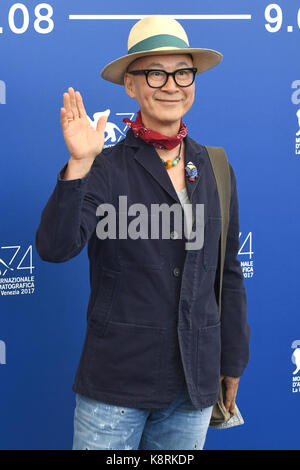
(147, 71)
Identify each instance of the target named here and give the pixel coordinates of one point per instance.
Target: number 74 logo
(5, 266)
(248, 240)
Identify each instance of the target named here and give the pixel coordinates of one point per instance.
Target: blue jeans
(179, 426)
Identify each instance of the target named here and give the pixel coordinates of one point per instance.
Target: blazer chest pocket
(212, 234)
(144, 252)
(101, 312)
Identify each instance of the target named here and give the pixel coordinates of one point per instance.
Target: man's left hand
(231, 385)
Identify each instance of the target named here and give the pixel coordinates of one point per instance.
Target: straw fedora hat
(156, 35)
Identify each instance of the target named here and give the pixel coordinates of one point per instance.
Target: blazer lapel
(194, 152)
(147, 156)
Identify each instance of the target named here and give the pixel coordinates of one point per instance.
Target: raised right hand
(82, 140)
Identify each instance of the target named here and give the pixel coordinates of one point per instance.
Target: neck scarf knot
(155, 138)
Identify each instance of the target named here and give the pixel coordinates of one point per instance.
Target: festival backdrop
(249, 104)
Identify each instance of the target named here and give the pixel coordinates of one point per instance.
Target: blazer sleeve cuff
(71, 183)
(230, 371)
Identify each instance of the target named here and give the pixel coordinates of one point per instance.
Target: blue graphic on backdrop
(113, 132)
(2, 92)
(296, 355)
(2, 352)
(18, 259)
(298, 116)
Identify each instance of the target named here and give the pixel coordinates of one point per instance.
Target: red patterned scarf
(155, 138)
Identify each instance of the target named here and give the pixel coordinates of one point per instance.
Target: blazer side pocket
(102, 308)
(208, 359)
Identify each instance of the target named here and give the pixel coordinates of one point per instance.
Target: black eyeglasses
(158, 78)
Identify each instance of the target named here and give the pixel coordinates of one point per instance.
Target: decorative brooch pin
(191, 171)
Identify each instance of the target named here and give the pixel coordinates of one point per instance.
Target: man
(154, 351)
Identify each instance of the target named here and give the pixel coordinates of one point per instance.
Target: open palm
(82, 140)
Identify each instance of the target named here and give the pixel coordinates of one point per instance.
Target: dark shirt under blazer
(152, 316)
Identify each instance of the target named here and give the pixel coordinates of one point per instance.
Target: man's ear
(129, 85)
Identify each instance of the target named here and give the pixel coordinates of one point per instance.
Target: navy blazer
(152, 316)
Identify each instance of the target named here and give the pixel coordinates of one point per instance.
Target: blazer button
(174, 235)
(176, 272)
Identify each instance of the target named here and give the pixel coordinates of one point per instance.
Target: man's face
(165, 105)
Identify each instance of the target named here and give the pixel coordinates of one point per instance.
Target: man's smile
(168, 101)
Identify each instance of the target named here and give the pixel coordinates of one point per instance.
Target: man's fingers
(73, 107)
(232, 407)
(67, 105)
(63, 119)
(230, 402)
(73, 103)
(101, 124)
(231, 387)
(80, 105)
(230, 398)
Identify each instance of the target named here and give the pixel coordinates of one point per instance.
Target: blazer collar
(147, 156)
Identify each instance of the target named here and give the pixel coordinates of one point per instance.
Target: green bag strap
(221, 171)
